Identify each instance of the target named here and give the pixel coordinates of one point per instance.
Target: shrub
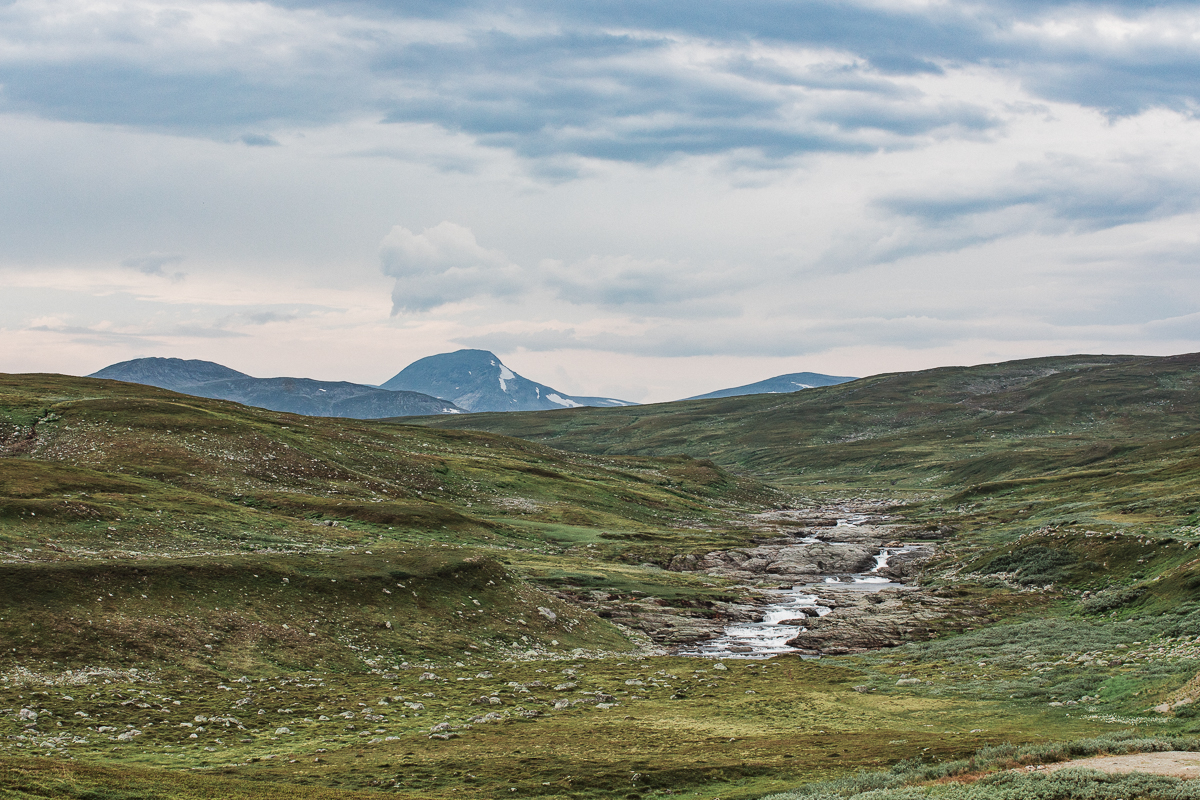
(1034, 565)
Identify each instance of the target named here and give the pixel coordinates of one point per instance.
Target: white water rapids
(769, 637)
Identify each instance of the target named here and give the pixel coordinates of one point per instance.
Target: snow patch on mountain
(506, 375)
(780, 384)
(477, 380)
(553, 397)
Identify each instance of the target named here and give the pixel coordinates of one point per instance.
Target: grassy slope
(1116, 433)
(139, 527)
(1018, 416)
(146, 525)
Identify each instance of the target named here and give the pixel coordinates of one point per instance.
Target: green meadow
(202, 599)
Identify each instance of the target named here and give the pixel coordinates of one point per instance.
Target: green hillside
(200, 599)
(197, 515)
(1085, 424)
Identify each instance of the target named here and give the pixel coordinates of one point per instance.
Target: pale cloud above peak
(442, 265)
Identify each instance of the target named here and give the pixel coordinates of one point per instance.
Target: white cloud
(444, 264)
(844, 188)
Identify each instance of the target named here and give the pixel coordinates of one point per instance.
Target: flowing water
(769, 636)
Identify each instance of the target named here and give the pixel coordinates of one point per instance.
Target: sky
(642, 200)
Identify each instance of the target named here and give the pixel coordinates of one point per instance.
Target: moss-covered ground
(198, 599)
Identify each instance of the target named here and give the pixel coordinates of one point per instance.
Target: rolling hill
(1088, 421)
(200, 598)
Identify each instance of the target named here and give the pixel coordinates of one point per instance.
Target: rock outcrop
(862, 621)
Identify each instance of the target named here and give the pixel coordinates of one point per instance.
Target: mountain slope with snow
(294, 395)
(477, 380)
(792, 382)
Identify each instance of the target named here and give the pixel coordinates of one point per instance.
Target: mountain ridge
(478, 381)
(293, 395)
(780, 384)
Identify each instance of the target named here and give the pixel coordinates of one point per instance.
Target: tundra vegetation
(202, 599)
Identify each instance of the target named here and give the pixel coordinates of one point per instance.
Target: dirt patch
(1176, 763)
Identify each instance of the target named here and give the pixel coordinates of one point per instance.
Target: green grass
(1115, 432)
(246, 561)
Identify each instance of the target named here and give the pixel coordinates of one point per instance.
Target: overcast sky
(645, 200)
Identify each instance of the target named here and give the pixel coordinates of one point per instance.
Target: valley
(206, 599)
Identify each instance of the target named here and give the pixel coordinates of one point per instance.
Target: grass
(1115, 432)
(680, 726)
(186, 567)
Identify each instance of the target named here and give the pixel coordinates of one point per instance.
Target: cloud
(259, 140)
(444, 264)
(154, 263)
(1058, 194)
(785, 338)
(625, 281)
(638, 83)
(107, 334)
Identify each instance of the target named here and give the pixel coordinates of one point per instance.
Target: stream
(769, 636)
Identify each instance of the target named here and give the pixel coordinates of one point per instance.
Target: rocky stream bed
(823, 581)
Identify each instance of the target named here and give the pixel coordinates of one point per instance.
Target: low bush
(903, 781)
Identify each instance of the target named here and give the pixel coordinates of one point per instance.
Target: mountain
(792, 382)
(167, 373)
(478, 380)
(294, 395)
(1074, 418)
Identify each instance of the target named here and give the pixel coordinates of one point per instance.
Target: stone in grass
(441, 726)
(450, 735)
(720, 666)
(127, 735)
(27, 715)
(282, 731)
(909, 682)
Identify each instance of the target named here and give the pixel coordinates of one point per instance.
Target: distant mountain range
(779, 384)
(478, 380)
(448, 383)
(295, 395)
